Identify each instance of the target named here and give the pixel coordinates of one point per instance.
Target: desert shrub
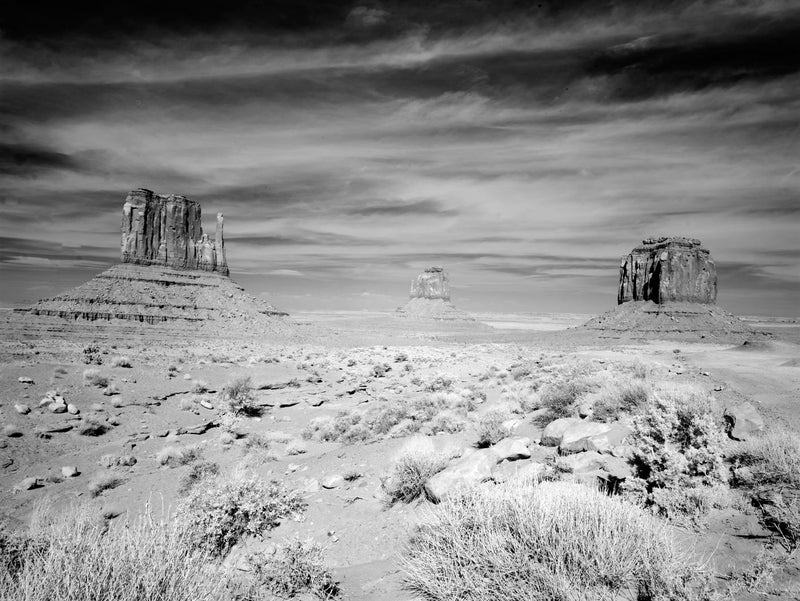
(491, 429)
(256, 440)
(558, 399)
(293, 568)
(768, 469)
(446, 421)
(522, 541)
(520, 372)
(104, 481)
(624, 398)
(639, 370)
(415, 463)
(73, 556)
(110, 460)
(295, 447)
(237, 396)
(439, 383)
(91, 426)
(198, 471)
(219, 512)
(92, 377)
(121, 361)
(523, 393)
(199, 386)
(677, 443)
(92, 355)
(175, 456)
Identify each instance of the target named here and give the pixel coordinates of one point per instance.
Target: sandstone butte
(430, 298)
(668, 269)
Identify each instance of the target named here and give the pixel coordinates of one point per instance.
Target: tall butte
(430, 298)
(170, 271)
(668, 287)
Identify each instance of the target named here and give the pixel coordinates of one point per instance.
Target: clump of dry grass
(198, 471)
(415, 463)
(553, 540)
(237, 396)
(172, 456)
(92, 377)
(72, 556)
(199, 386)
(294, 567)
(491, 428)
(121, 361)
(104, 481)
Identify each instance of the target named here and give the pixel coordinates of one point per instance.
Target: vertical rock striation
(167, 231)
(668, 269)
(431, 284)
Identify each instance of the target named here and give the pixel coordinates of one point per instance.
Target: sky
(524, 146)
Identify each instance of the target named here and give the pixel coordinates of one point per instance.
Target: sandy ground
(329, 361)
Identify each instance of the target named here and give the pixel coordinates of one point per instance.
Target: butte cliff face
(432, 283)
(669, 269)
(167, 231)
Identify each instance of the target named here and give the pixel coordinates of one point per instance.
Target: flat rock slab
(512, 449)
(465, 472)
(552, 434)
(593, 436)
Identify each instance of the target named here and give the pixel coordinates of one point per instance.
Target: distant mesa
(430, 298)
(668, 287)
(170, 271)
(668, 269)
(168, 231)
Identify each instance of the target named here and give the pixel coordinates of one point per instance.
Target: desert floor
(326, 365)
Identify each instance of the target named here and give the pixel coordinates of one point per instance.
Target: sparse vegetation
(199, 386)
(546, 541)
(416, 462)
(121, 361)
(219, 511)
(92, 377)
(104, 481)
(237, 397)
(295, 447)
(91, 426)
(174, 456)
(295, 567)
(625, 397)
(491, 428)
(198, 471)
(92, 355)
(73, 556)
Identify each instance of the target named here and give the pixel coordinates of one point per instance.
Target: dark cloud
(29, 160)
(393, 209)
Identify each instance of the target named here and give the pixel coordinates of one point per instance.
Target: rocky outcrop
(668, 269)
(432, 283)
(168, 231)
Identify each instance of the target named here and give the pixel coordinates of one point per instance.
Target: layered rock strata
(433, 283)
(167, 231)
(668, 269)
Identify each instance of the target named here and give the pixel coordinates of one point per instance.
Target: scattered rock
(29, 484)
(333, 481)
(69, 471)
(744, 421)
(206, 405)
(25, 380)
(551, 437)
(110, 512)
(57, 407)
(72, 409)
(512, 449)
(593, 436)
(12, 431)
(470, 470)
(22, 409)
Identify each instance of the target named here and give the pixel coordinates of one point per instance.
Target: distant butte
(668, 288)
(170, 271)
(430, 298)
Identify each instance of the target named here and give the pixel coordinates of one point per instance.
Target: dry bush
(198, 471)
(295, 447)
(293, 568)
(558, 399)
(121, 361)
(768, 469)
(72, 556)
(174, 456)
(220, 511)
(527, 542)
(104, 481)
(522, 393)
(199, 386)
(439, 383)
(415, 463)
(622, 397)
(237, 396)
(91, 426)
(92, 377)
(491, 429)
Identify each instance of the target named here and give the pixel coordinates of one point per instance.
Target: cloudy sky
(525, 146)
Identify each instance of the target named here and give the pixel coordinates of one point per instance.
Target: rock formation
(668, 289)
(167, 231)
(430, 298)
(431, 284)
(171, 272)
(668, 269)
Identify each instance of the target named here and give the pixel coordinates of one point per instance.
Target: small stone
(204, 403)
(58, 407)
(333, 481)
(72, 409)
(187, 376)
(29, 484)
(112, 511)
(97, 407)
(69, 471)
(25, 380)
(22, 409)
(12, 431)
(744, 421)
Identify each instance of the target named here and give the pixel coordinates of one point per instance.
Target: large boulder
(668, 269)
(554, 431)
(512, 449)
(469, 470)
(593, 436)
